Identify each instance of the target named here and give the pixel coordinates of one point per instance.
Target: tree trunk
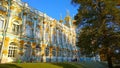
(109, 60)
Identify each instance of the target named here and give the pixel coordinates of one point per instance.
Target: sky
(54, 8)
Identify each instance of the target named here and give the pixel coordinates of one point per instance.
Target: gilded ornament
(6, 41)
(5, 52)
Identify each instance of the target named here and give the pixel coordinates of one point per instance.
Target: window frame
(16, 27)
(47, 51)
(12, 50)
(1, 23)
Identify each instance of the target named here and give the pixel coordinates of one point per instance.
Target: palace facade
(27, 34)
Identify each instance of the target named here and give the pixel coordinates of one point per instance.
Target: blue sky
(53, 8)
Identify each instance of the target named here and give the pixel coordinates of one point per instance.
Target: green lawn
(55, 65)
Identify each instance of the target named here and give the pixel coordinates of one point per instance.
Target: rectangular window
(47, 51)
(16, 28)
(12, 51)
(54, 52)
(58, 54)
(29, 31)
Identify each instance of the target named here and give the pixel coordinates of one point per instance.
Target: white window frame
(12, 51)
(1, 24)
(28, 31)
(16, 27)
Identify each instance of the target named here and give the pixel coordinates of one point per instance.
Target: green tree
(99, 21)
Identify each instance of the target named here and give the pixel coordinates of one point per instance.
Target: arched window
(12, 50)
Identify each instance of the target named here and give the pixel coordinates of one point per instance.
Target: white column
(66, 38)
(74, 41)
(35, 24)
(24, 25)
(44, 30)
(71, 39)
(53, 36)
(62, 38)
(40, 33)
(51, 29)
(57, 36)
(66, 42)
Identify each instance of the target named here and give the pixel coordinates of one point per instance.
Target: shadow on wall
(9, 66)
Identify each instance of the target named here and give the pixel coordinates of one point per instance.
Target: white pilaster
(44, 32)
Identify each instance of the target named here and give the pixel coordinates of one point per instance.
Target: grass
(55, 65)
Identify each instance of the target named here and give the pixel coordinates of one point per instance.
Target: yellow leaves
(117, 1)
